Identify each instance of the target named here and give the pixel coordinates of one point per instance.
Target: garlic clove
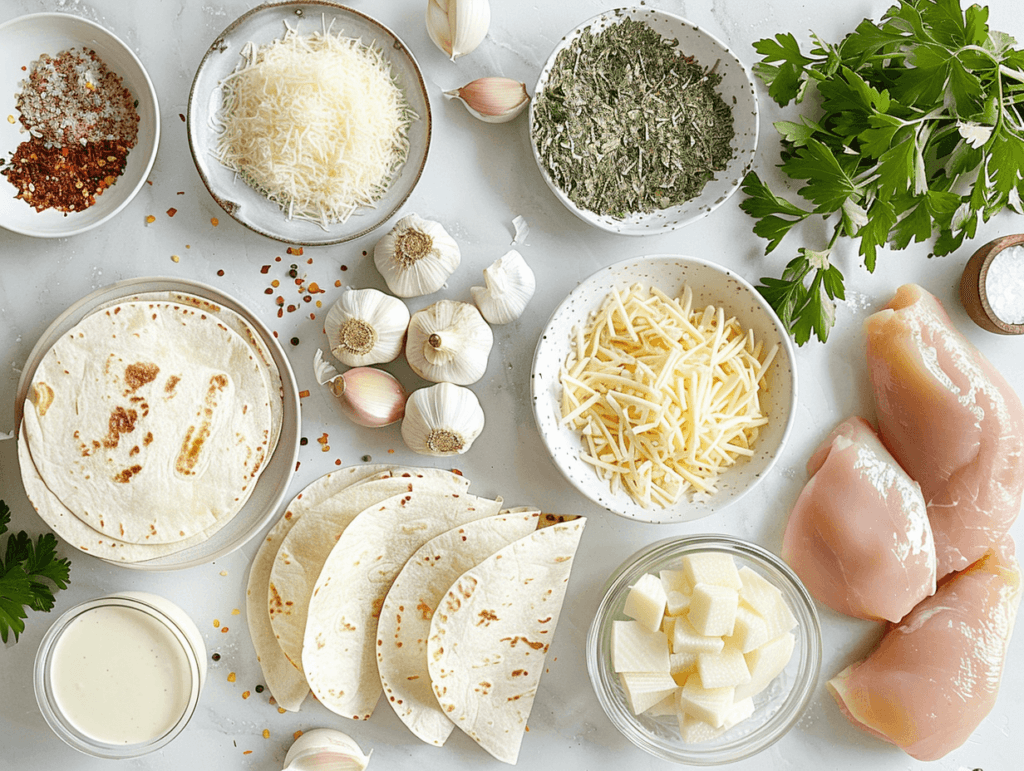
(510, 286)
(367, 396)
(492, 100)
(416, 256)
(366, 326)
(442, 420)
(457, 27)
(449, 342)
(324, 749)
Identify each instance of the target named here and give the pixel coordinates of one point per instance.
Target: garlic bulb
(449, 342)
(324, 749)
(492, 100)
(442, 420)
(416, 256)
(458, 26)
(366, 326)
(510, 285)
(367, 396)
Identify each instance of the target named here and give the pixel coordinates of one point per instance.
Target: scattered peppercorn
(367, 459)
(303, 441)
(259, 689)
(215, 657)
(294, 341)
(345, 267)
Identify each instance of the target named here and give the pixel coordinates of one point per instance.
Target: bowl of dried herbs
(643, 122)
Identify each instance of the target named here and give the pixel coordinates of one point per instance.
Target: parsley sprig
(24, 568)
(921, 132)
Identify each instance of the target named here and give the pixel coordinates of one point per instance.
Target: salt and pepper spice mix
(82, 123)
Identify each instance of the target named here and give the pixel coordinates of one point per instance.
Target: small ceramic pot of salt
(992, 286)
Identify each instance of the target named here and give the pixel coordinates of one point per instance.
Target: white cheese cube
(738, 712)
(634, 649)
(694, 731)
(712, 568)
(708, 704)
(750, 631)
(668, 626)
(666, 706)
(645, 689)
(682, 665)
(713, 609)
(677, 603)
(727, 667)
(686, 639)
(675, 581)
(646, 602)
(767, 601)
(765, 664)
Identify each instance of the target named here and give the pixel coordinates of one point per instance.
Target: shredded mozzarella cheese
(666, 398)
(316, 123)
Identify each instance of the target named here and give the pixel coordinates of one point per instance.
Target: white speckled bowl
(711, 284)
(22, 41)
(736, 88)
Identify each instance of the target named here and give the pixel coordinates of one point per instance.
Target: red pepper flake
(337, 462)
(214, 221)
(345, 267)
(309, 261)
(279, 300)
(275, 333)
(277, 259)
(220, 272)
(295, 250)
(297, 464)
(175, 258)
(188, 246)
(223, 630)
(180, 192)
(307, 299)
(338, 282)
(171, 212)
(322, 439)
(391, 452)
(180, 115)
(265, 269)
(275, 282)
(268, 290)
(280, 313)
(312, 317)
(245, 694)
(149, 182)
(326, 448)
(298, 281)
(297, 734)
(150, 219)
(247, 752)
(314, 288)
(291, 308)
(303, 395)
(216, 623)
(232, 677)
(272, 700)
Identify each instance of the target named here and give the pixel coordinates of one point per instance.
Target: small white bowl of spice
(992, 286)
(81, 125)
(642, 122)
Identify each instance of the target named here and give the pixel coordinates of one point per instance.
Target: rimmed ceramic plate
(264, 24)
(273, 482)
(711, 284)
(736, 88)
(22, 41)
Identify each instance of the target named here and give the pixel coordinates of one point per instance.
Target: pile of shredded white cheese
(314, 122)
(666, 397)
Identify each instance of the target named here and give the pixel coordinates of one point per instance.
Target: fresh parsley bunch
(23, 567)
(921, 131)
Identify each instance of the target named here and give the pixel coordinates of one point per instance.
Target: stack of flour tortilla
(397, 580)
(148, 424)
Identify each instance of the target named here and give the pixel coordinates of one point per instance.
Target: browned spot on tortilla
(147, 438)
(425, 611)
(42, 397)
(134, 451)
(519, 673)
(378, 604)
(513, 641)
(486, 617)
(121, 421)
(562, 559)
(543, 620)
(125, 475)
(139, 374)
(413, 677)
(172, 381)
(196, 436)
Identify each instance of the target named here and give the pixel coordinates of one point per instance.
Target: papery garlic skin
(449, 342)
(492, 100)
(442, 420)
(510, 286)
(416, 256)
(458, 26)
(366, 326)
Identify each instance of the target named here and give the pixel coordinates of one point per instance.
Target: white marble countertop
(477, 179)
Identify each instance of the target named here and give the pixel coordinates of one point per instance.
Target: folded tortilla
(304, 550)
(341, 630)
(492, 632)
(404, 624)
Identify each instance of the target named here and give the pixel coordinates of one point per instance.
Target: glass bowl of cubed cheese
(705, 649)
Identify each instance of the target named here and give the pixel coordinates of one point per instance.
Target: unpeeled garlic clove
(367, 396)
(324, 749)
(510, 286)
(442, 420)
(458, 26)
(492, 100)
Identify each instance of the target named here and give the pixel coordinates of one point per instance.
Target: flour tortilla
(404, 624)
(341, 631)
(304, 550)
(163, 454)
(491, 634)
(286, 683)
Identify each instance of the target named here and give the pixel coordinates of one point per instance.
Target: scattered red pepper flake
(247, 752)
(295, 250)
(322, 439)
(319, 304)
(275, 282)
(273, 700)
(265, 269)
(279, 300)
(312, 317)
(326, 448)
(171, 212)
(338, 282)
(268, 290)
(245, 694)
(277, 259)
(291, 308)
(175, 258)
(214, 221)
(223, 630)
(391, 452)
(337, 462)
(181, 115)
(280, 312)
(281, 710)
(297, 464)
(220, 272)
(303, 394)
(307, 299)
(180, 192)
(150, 219)
(236, 612)
(216, 623)
(314, 288)
(232, 677)
(149, 182)
(297, 734)
(345, 267)
(309, 261)
(275, 333)
(188, 246)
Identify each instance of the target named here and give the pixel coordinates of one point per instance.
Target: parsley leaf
(25, 569)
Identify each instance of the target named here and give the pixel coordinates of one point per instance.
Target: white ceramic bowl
(22, 41)
(736, 88)
(711, 285)
(264, 24)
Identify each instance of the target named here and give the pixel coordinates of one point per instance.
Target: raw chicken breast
(858, 536)
(935, 675)
(951, 420)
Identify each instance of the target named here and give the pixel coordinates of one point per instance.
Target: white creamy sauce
(120, 676)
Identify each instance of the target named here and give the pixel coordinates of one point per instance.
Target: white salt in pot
(992, 286)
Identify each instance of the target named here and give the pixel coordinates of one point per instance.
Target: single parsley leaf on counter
(25, 569)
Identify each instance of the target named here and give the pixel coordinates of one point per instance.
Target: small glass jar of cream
(120, 676)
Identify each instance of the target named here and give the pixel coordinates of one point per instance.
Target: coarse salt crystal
(1004, 285)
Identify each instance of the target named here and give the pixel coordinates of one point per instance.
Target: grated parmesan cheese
(666, 398)
(316, 123)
